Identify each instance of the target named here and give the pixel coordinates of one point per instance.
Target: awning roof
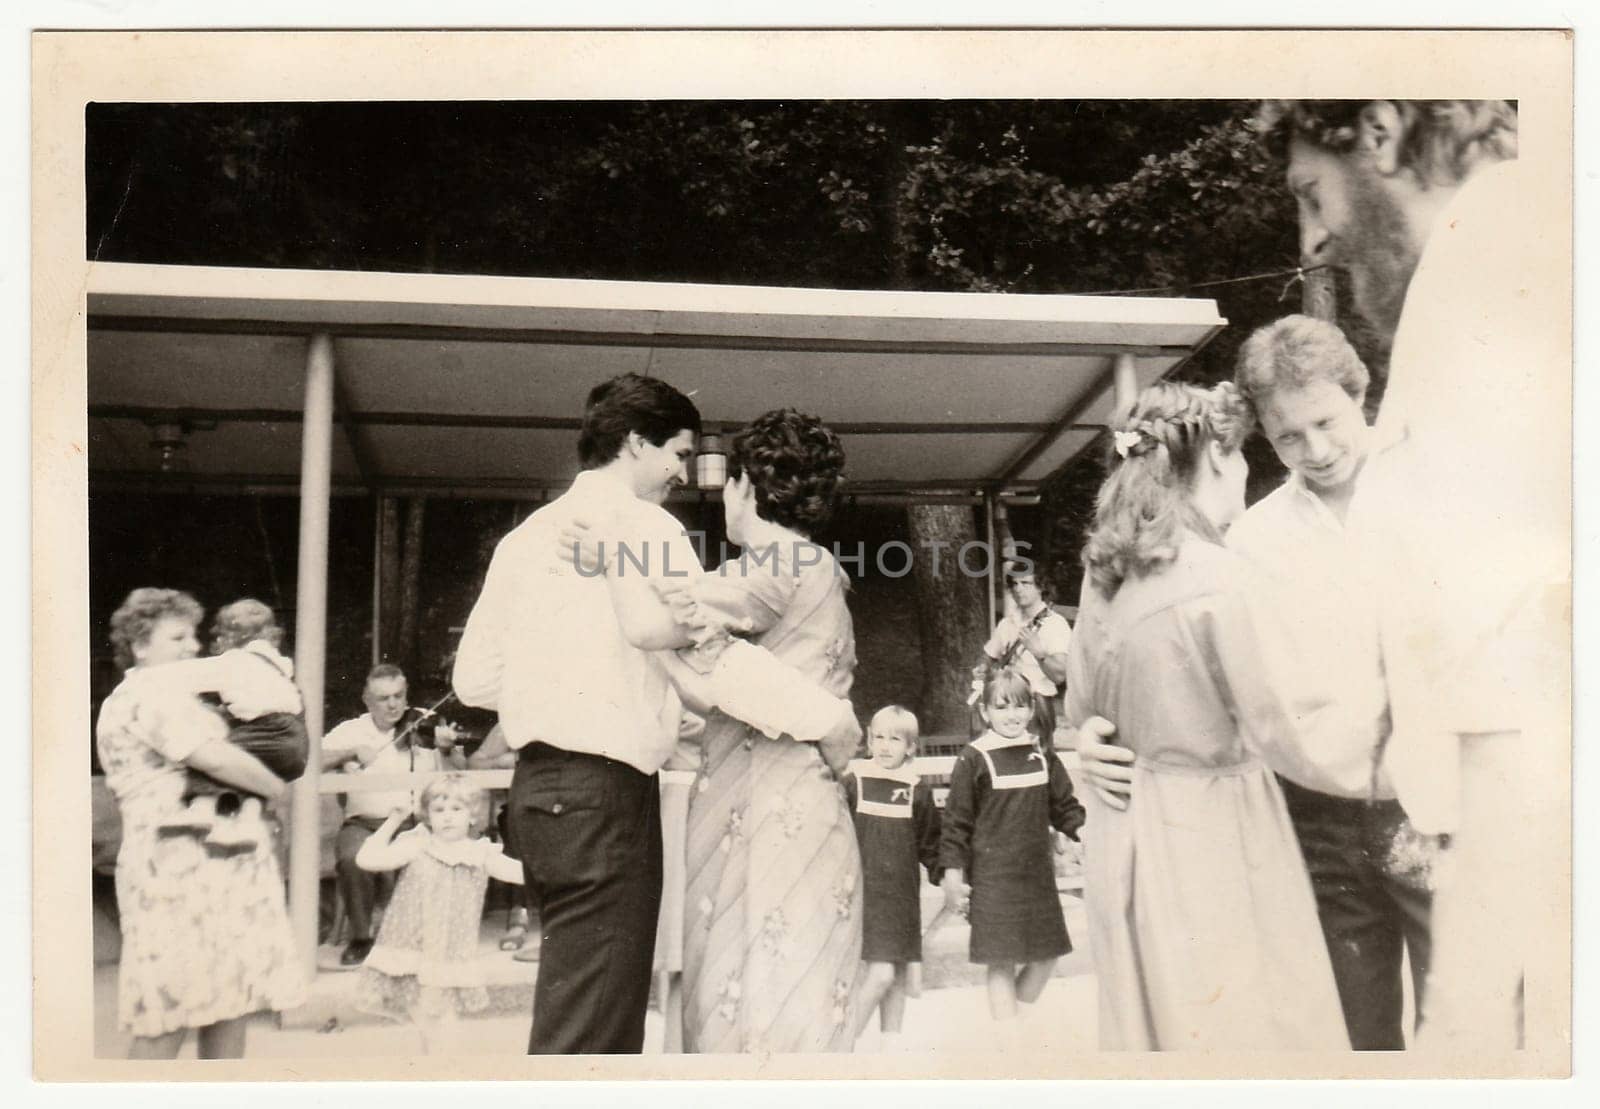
(472, 384)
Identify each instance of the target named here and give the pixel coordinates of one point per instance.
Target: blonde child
(1006, 792)
(252, 685)
(424, 966)
(897, 828)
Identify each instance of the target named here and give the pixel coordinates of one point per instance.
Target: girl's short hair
(1143, 505)
(139, 613)
(898, 721)
(1007, 685)
(241, 622)
(460, 788)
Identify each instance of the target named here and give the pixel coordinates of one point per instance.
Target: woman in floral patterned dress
(205, 933)
(772, 934)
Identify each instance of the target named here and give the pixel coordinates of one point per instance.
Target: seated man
(377, 742)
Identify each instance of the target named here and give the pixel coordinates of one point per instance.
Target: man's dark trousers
(363, 890)
(588, 831)
(1373, 899)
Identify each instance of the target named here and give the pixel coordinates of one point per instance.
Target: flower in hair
(1125, 441)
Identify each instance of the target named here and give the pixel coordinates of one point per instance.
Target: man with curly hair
(1370, 177)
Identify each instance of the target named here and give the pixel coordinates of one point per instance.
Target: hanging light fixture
(711, 464)
(169, 438)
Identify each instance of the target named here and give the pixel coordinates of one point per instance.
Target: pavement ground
(951, 1015)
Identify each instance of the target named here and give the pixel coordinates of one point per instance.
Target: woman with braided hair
(1201, 916)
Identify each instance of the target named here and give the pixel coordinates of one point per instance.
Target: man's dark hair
(632, 403)
(1041, 581)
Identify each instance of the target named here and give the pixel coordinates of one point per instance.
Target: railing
(928, 766)
(367, 782)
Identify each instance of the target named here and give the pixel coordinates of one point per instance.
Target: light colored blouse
(1174, 661)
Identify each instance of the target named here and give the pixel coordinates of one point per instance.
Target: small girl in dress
(1006, 792)
(251, 685)
(897, 827)
(424, 966)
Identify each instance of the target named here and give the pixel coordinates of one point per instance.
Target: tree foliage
(1090, 196)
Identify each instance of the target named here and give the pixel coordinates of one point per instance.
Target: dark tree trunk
(410, 581)
(952, 609)
(952, 613)
(389, 579)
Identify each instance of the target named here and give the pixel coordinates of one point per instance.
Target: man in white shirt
(1317, 617)
(1465, 513)
(376, 742)
(1317, 614)
(592, 716)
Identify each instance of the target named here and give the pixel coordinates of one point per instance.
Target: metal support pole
(1124, 382)
(310, 641)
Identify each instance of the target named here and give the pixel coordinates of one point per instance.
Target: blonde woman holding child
(205, 932)
(1201, 916)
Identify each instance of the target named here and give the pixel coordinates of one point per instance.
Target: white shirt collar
(604, 484)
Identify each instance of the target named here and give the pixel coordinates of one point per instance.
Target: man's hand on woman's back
(1107, 766)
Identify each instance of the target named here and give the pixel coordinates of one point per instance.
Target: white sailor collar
(868, 768)
(994, 741)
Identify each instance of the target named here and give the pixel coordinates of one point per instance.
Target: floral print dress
(772, 935)
(205, 931)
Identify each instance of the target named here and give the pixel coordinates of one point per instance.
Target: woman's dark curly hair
(795, 464)
(139, 613)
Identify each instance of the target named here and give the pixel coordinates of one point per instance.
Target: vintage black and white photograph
(682, 549)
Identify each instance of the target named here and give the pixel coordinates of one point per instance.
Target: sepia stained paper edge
(72, 69)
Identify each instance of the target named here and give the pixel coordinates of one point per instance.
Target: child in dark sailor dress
(897, 827)
(1006, 793)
